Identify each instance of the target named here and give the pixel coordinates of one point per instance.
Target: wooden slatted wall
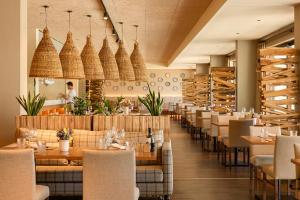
(188, 91)
(279, 86)
(202, 90)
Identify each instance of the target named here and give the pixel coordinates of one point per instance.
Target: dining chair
(18, 176)
(282, 167)
(237, 128)
(109, 175)
(260, 154)
(297, 156)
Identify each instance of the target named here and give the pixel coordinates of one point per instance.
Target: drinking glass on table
(41, 146)
(262, 132)
(21, 143)
(101, 143)
(293, 133)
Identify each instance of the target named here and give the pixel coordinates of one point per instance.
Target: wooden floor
(198, 175)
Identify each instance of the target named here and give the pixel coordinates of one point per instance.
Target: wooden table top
(142, 152)
(296, 161)
(255, 140)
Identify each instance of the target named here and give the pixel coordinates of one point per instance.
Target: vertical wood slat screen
(202, 90)
(188, 91)
(96, 122)
(223, 80)
(279, 86)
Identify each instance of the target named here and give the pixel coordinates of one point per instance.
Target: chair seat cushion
(259, 160)
(58, 174)
(149, 174)
(41, 192)
(137, 193)
(151, 189)
(268, 169)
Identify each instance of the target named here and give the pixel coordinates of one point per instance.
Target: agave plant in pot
(153, 103)
(32, 104)
(64, 136)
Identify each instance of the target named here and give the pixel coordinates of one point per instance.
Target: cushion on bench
(149, 174)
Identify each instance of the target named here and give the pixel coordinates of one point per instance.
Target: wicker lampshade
(124, 64)
(45, 61)
(138, 64)
(70, 60)
(91, 62)
(108, 61)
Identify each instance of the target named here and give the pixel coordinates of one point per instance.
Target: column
(13, 61)
(218, 61)
(246, 58)
(202, 68)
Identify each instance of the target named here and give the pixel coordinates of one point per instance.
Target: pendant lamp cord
(46, 16)
(106, 28)
(136, 32)
(122, 29)
(90, 16)
(69, 11)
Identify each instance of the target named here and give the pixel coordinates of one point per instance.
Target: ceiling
(171, 32)
(236, 20)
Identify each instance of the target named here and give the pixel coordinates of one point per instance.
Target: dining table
(142, 152)
(257, 140)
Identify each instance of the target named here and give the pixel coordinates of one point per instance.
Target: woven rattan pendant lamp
(137, 61)
(45, 61)
(108, 60)
(91, 62)
(70, 59)
(124, 64)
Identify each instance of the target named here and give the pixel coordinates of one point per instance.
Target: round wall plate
(115, 88)
(152, 75)
(160, 79)
(175, 88)
(182, 75)
(167, 75)
(160, 88)
(130, 88)
(175, 79)
(167, 83)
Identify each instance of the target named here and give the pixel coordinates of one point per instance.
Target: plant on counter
(32, 104)
(107, 107)
(153, 103)
(80, 105)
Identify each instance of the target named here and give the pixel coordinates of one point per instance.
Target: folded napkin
(115, 145)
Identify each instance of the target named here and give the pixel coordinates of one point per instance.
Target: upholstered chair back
(284, 152)
(238, 128)
(17, 174)
(297, 156)
(109, 175)
(263, 149)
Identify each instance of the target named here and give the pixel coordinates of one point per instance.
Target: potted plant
(80, 105)
(64, 136)
(125, 104)
(32, 104)
(153, 103)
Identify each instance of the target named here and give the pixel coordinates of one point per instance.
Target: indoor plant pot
(64, 145)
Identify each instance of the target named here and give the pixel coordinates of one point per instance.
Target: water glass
(101, 144)
(293, 133)
(41, 146)
(21, 143)
(262, 132)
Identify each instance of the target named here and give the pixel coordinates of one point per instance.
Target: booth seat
(64, 178)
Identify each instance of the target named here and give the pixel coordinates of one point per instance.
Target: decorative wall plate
(107, 83)
(175, 79)
(152, 75)
(116, 88)
(152, 83)
(145, 88)
(160, 88)
(130, 88)
(122, 83)
(167, 83)
(175, 88)
(160, 79)
(167, 75)
(182, 75)
(138, 83)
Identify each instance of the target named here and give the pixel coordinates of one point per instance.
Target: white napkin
(118, 146)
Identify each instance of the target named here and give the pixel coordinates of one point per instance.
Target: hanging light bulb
(45, 61)
(70, 59)
(124, 64)
(108, 61)
(91, 62)
(137, 61)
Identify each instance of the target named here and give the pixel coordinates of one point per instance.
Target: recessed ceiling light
(105, 16)
(237, 33)
(258, 20)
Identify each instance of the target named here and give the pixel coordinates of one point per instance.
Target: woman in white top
(71, 93)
